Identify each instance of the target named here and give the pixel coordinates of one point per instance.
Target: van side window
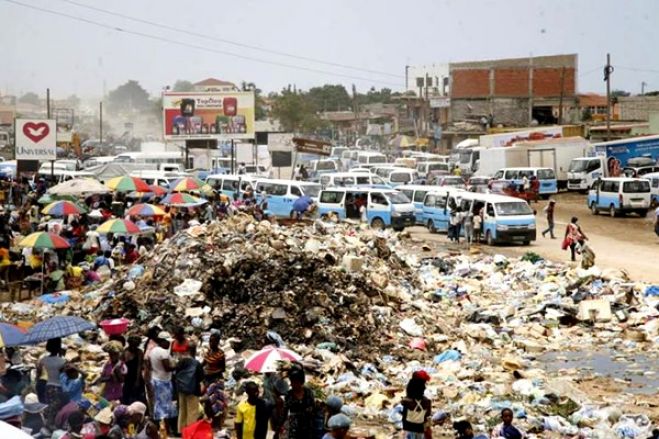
(331, 197)
(430, 201)
(490, 209)
(546, 174)
(418, 196)
(498, 175)
(593, 165)
(324, 180)
(279, 189)
(441, 202)
(296, 191)
(615, 186)
(362, 180)
(655, 182)
(378, 198)
(408, 193)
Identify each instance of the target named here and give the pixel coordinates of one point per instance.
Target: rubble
(365, 310)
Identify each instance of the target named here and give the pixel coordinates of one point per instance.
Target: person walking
(299, 408)
(468, 223)
(252, 415)
(573, 236)
(189, 379)
(478, 225)
(549, 212)
(161, 368)
(506, 429)
(417, 409)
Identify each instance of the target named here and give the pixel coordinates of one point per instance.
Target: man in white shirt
(161, 368)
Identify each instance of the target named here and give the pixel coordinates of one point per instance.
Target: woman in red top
(180, 343)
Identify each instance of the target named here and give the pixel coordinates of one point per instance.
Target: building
(594, 104)
(427, 80)
(638, 107)
(212, 84)
(515, 91)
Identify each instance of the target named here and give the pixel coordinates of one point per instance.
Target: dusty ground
(627, 243)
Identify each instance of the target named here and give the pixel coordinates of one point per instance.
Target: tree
(182, 86)
(586, 115)
(260, 112)
(330, 98)
(296, 112)
(619, 93)
(30, 98)
(128, 97)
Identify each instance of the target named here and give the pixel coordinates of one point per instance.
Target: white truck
(556, 154)
(607, 159)
(493, 159)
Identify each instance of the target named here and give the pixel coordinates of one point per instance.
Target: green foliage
(296, 112)
(182, 86)
(330, 98)
(128, 97)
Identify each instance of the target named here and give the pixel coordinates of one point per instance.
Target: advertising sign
(216, 115)
(36, 139)
(440, 102)
(312, 146)
(64, 118)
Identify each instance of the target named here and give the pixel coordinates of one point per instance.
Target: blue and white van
(620, 195)
(281, 194)
(436, 210)
(505, 219)
(653, 178)
(368, 159)
(384, 208)
(546, 176)
(228, 184)
(347, 179)
(417, 194)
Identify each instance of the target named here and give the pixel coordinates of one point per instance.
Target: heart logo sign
(36, 132)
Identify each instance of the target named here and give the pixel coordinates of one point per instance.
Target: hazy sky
(39, 50)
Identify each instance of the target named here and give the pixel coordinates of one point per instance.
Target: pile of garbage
(367, 308)
(315, 284)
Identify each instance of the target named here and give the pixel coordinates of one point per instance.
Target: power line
(588, 72)
(231, 42)
(194, 46)
(636, 69)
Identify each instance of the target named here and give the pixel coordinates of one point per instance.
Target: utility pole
(407, 71)
(530, 90)
(52, 162)
(643, 84)
(560, 100)
(100, 124)
(608, 69)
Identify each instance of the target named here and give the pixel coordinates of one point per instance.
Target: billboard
(216, 115)
(64, 118)
(36, 139)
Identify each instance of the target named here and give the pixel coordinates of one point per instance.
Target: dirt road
(627, 243)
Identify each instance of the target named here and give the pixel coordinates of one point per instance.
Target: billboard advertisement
(216, 115)
(64, 118)
(36, 139)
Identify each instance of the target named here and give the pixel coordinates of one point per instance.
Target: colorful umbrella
(145, 210)
(182, 199)
(186, 184)
(58, 326)
(43, 240)
(48, 198)
(154, 191)
(266, 359)
(11, 335)
(118, 227)
(63, 208)
(127, 184)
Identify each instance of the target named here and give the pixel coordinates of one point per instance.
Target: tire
(398, 229)
(431, 227)
(488, 238)
(377, 223)
(593, 208)
(642, 213)
(612, 211)
(527, 243)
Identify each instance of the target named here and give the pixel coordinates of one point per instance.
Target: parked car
(449, 180)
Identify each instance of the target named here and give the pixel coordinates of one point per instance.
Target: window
(498, 175)
(408, 193)
(377, 180)
(296, 191)
(362, 180)
(230, 185)
(398, 198)
(324, 180)
(513, 208)
(331, 197)
(655, 182)
(215, 183)
(279, 189)
(363, 159)
(400, 177)
(430, 201)
(378, 159)
(420, 81)
(511, 175)
(490, 209)
(615, 186)
(378, 198)
(418, 196)
(311, 190)
(546, 174)
(325, 165)
(636, 187)
(593, 165)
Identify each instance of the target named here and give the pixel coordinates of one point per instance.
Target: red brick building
(514, 91)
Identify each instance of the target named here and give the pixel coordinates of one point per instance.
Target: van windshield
(400, 177)
(512, 208)
(377, 159)
(578, 165)
(325, 166)
(398, 198)
(636, 187)
(438, 167)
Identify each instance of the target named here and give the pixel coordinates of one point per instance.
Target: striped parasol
(266, 359)
(63, 208)
(118, 227)
(127, 184)
(43, 240)
(182, 199)
(145, 210)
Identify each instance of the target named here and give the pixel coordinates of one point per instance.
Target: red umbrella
(266, 359)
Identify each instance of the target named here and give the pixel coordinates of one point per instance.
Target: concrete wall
(435, 72)
(638, 107)
(507, 111)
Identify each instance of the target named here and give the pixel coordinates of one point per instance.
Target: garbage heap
(313, 284)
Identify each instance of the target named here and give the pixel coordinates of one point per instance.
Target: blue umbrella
(58, 326)
(302, 204)
(11, 335)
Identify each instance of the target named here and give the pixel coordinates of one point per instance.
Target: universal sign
(36, 139)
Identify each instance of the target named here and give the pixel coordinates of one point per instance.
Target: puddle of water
(640, 371)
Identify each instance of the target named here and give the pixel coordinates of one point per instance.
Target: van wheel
(431, 227)
(612, 211)
(642, 213)
(593, 208)
(377, 223)
(488, 238)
